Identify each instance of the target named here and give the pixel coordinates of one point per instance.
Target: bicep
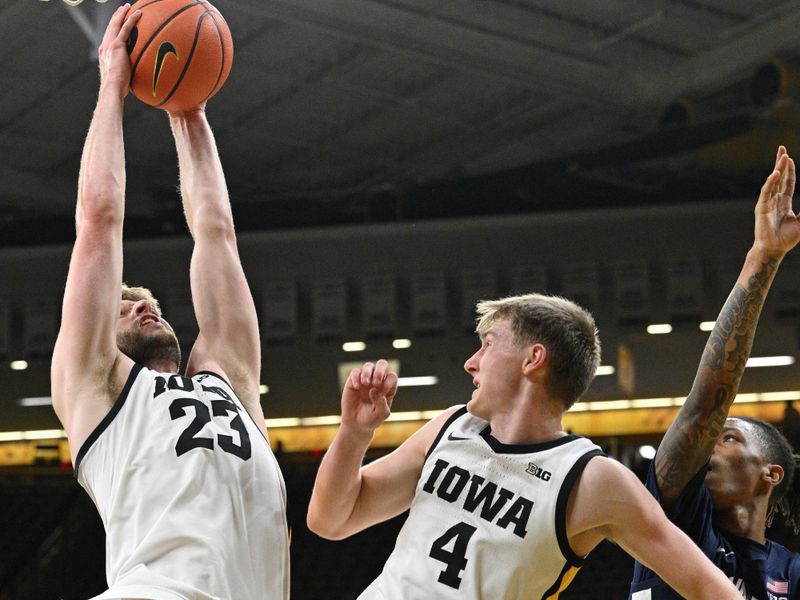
(638, 524)
(86, 339)
(225, 311)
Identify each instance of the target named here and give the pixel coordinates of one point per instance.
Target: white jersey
(488, 520)
(190, 494)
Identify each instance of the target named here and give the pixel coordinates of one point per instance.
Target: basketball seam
(222, 60)
(187, 63)
(157, 31)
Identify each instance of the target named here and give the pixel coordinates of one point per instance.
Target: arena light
(647, 452)
(284, 422)
(779, 396)
(417, 381)
(608, 405)
(18, 365)
(354, 346)
(325, 420)
(263, 389)
(605, 370)
(401, 343)
(707, 325)
(39, 434)
(770, 361)
(659, 328)
(652, 402)
(36, 401)
(411, 415)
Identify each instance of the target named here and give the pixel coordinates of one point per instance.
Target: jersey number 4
(455, 559)
(189, 440)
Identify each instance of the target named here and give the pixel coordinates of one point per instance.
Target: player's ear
(773, 474)
(535, 358)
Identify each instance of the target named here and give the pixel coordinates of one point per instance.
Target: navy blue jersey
(760, 572)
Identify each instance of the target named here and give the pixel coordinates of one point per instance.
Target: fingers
(790, 179)
(770, 186)
(128, 25)
(114, 25)
(779, 154)
(778, 189)
(376, 376)
(354, 379)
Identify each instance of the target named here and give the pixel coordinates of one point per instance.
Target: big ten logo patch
(538, 472)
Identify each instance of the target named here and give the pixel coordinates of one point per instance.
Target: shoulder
(427, 436)
(785, 556)
(603, 473)
(620, 490)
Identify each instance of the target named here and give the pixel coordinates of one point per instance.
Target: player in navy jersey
(179, 466)
(504, 505)
(720, 479)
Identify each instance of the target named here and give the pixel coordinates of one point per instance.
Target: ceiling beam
(509, 60)
(744, 48)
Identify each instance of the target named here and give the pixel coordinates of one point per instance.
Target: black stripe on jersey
(103, 425)
(461, 411)
(561, 506)
(220, 377)
(553, 589)
(501, 448)
(233, 391)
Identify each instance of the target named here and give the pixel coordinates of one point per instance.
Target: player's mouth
(148, 319)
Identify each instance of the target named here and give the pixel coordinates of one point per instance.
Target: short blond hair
(137, 293)
(567, 330)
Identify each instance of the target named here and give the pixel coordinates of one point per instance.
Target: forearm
(700, 579)
(202, 180)
(101, 182)
(691, 438)
(338, 485)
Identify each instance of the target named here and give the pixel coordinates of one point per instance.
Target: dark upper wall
(617, 261)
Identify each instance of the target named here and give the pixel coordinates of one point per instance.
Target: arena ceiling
(364, 110)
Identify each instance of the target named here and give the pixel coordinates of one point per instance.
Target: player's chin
(711, 479)
(474, 406)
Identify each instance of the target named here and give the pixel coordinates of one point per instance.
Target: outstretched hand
(367, 396)
(115, 65)
(777, 227)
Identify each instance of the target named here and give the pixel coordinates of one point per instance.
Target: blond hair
(141, 293)
(564, 328)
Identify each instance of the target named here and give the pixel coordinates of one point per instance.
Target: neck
(530, 421)
(162, 366)
(747, 521)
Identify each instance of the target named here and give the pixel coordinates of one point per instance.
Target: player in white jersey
(504, 505)
(179, 467)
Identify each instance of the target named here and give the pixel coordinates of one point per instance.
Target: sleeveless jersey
(759, 571)
(488, 520)
(189, 492)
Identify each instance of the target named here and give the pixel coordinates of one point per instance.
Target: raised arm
(348, 497)
(691, 437)
(223, 305)
(609, 502)
(85, 375)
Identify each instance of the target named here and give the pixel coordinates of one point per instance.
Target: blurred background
(390, 162)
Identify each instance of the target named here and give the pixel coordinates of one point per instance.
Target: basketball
(181, 53)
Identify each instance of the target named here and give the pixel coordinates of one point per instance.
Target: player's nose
(471, 365)
(141, 306)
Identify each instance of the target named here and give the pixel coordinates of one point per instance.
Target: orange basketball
(181, 53)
